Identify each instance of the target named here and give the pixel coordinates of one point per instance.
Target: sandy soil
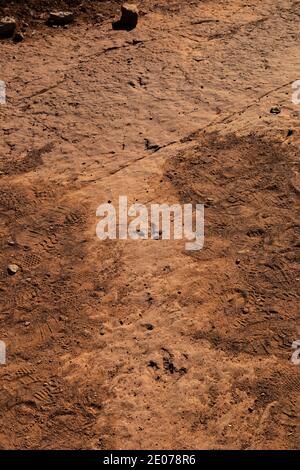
(143, 345)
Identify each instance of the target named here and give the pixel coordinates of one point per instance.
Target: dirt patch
(250, 202)
(252, 258)
(24, 163)
(50, 305)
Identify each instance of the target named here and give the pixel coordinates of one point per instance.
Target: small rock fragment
(275, 110)
(99, 18)
(7, 27)
(12, 269)
(18, 37)
(151, 146)
(129, 17)
(60, 18)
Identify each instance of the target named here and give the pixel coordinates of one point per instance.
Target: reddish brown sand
(143, 345)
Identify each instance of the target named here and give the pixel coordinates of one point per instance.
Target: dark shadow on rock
(121, 26)
(129, 18)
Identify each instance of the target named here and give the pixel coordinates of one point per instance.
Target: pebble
(12, 269)
(7, 27)
(129, 17)
(18, 37)
(275, 110)
(60, 18)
